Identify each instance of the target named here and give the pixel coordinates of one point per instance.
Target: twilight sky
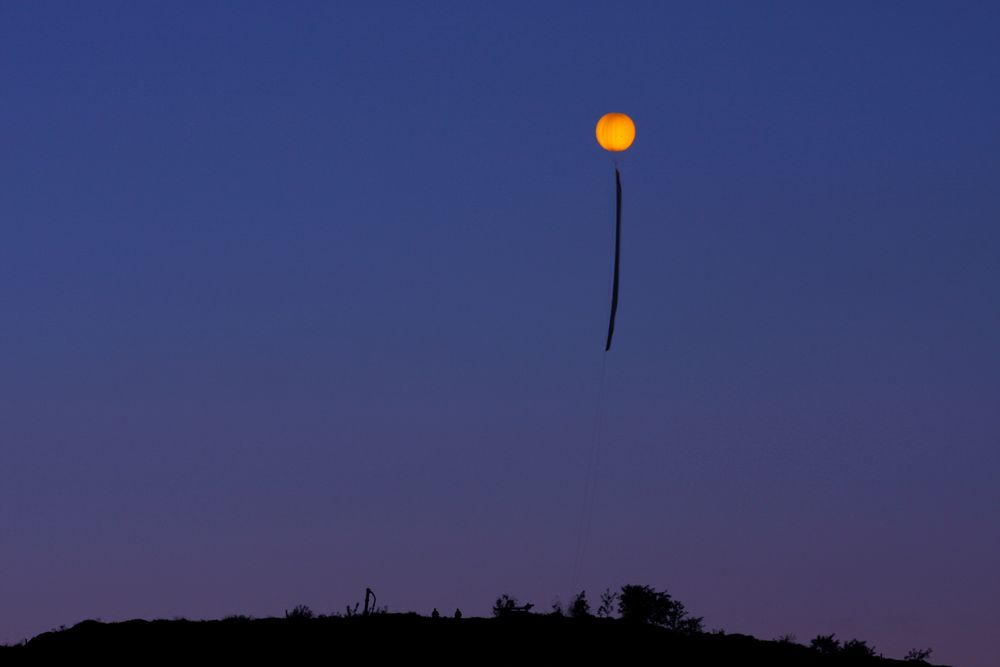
(298, 299)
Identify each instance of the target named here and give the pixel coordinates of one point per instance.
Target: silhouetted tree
(643, 604)
(825, 644)
(918, 654)
(609, 600)
(579, 607)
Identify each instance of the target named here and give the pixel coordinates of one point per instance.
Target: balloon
(615, 132)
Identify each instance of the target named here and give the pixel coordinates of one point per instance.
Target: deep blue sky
(302, 299)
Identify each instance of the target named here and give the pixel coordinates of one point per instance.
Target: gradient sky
(298, 299)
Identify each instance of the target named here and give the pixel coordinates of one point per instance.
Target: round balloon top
(615, 132)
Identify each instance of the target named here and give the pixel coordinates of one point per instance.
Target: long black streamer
(618, 248)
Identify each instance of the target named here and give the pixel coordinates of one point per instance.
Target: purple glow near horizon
(302, 300)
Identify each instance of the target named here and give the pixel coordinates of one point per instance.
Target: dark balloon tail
(618, 248)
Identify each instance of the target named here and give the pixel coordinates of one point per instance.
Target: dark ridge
(524, 637)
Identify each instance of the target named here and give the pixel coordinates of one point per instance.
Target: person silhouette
(458, 613)
(435, 614)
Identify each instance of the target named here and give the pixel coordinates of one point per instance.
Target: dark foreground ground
(524, 639)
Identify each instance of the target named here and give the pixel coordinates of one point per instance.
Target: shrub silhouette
(918, 654)
(825, 644)
(504, 605)
(556, 608)
(854, 648)
(644, 604)
(857, 648)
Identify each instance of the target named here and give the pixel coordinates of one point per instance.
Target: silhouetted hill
(530, 638)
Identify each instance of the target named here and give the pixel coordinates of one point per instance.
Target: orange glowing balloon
(615, 132)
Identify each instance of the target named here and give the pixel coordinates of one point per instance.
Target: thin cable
(618, 244)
